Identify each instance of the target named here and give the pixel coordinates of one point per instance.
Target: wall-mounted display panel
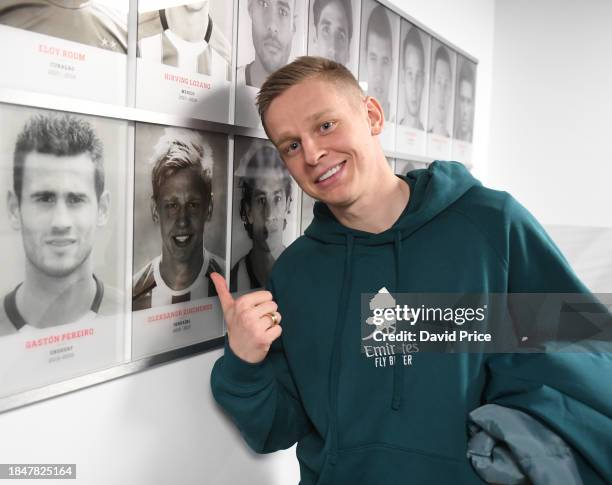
(63, 232)
(378, 66)
(333, 31)
(180, 185)
(184, 63)
(465, 98)
(441, 101)
(74, 48)
(264, 220)
(413, 88)
(271, 34)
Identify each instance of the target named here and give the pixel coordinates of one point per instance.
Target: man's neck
(45, 301)
(190, 26)
(179, 275)
(410, 120)
(377, 210)
(261, 262)
(257, 72)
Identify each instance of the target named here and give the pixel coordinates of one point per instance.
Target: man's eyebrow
(38, 193)
(284, 4)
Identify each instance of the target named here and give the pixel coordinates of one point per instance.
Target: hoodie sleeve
(261, 399)
(570, 392)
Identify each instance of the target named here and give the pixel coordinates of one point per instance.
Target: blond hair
(301, 69)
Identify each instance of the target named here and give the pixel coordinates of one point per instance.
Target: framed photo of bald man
(271, 33)
(264, 219)
(63, 236)
(465, 98)
(413, 90)
(180, 186)
(333, 31)
(66, 47)
(378, 62)
(184, 57)
(441, 100)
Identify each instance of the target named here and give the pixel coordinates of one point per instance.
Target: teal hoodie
(360, 424)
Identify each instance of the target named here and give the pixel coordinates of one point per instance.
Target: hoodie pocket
(383, 464)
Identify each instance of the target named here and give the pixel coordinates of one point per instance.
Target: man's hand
(249, 326)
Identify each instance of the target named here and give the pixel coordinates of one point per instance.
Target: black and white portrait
(177, 241)
(464, 99)
(441, 100)
(413, 89)
(378, 62)
(184, 63)
(98, 23)
(62, 262)
(63, 237)
(442, 80)
(74, 48)
(271, 34)
(333, 31)
(264, 216)
(185, 36)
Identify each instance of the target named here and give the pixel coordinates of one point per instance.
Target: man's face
(267, 210)
(414, 79)
(323, 133)
(466, 106)
(441, 91)
(182, 210)
(272, 28)
(58, 212)
(379, 66)
(333, 33)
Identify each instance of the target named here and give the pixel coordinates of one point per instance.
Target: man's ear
(103, 208)
(250, 8)
(12, 203)
(294, 22)
(211, 206)
(376, 115)
(154, 212)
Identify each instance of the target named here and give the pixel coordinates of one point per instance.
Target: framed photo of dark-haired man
(63, 235)
(271, 33)
(465, 103)
(441, 100)
(333, 31)
(179, 237)
(378, 62)
(75, 48)
(264, 220)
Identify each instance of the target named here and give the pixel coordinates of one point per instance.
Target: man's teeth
(181, 239)
(330, 172)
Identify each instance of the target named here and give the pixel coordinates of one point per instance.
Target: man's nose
(182, 219)
(312, 151)
(61, 217)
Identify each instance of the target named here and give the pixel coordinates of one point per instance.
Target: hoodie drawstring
(336, 356)
(398, 367)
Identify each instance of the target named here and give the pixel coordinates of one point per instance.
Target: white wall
(550, 143)
(161, 426)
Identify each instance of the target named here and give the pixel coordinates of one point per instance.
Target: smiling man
(273, 24)
(333, 29)
(181, 203)
(293, 369)
(58, 202)
(264, 206)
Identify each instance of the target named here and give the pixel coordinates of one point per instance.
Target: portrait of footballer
(179, 215)
(264, 212)
(62, 235)
(97, 23)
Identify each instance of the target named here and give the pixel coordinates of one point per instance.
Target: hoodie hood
(432, 190)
